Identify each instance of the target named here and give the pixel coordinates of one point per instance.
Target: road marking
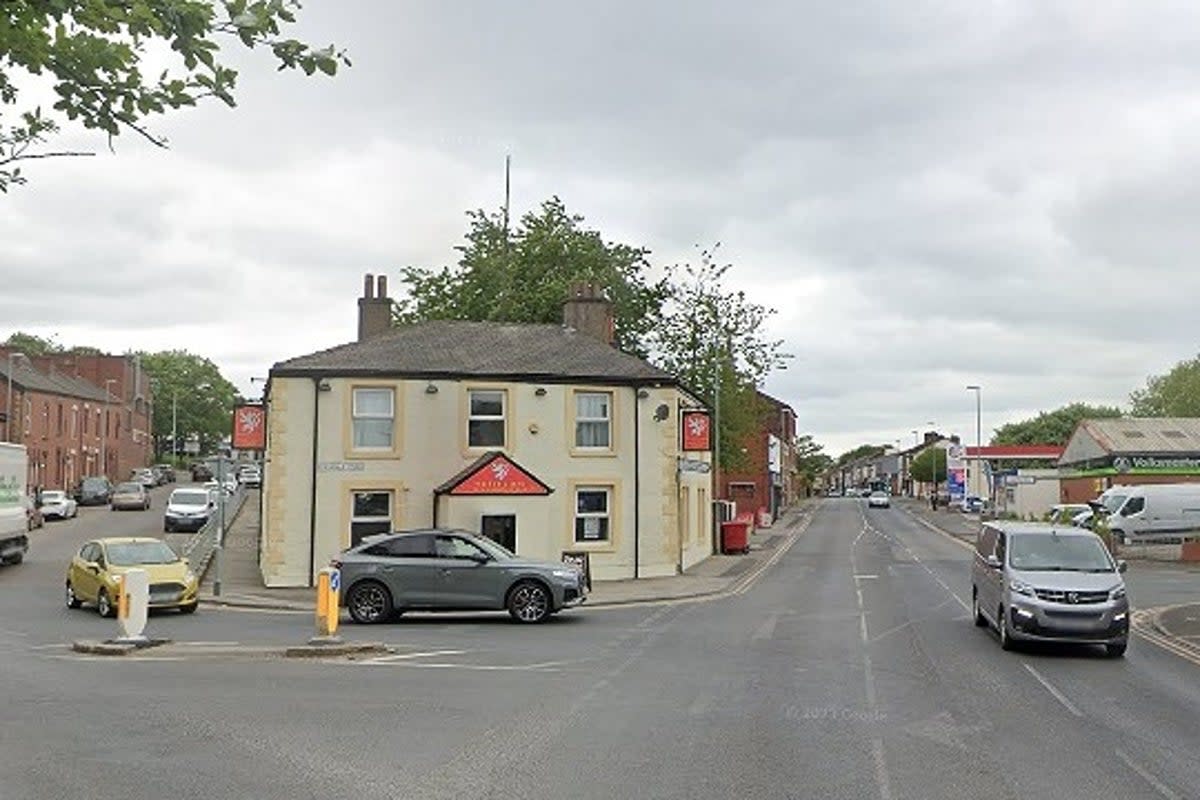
(1059, 696)
(767, 629)
(936, 529)
(388, 659)
(1149, 778)
(881, 772)
(866, 577)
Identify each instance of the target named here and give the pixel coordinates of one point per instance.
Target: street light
(978, 390)
(104, 433)
(933, 500)
(8, 399)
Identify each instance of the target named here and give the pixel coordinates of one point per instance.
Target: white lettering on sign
(341, 466)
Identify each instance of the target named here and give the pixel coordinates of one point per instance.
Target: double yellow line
(1143, 622)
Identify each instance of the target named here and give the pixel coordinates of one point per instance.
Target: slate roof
(26, 377)
(1149, 435)
(494, 350)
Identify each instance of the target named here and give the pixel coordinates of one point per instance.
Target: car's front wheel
(980, 619)
(104, 606)
(529, 602)
(72, 600)
(1116, 649)
(369, 602)
(1006, 641)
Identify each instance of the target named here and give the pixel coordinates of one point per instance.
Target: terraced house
(545, 438)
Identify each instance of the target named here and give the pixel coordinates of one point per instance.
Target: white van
(1157, 509)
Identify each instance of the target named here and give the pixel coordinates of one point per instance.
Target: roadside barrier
(200, 547)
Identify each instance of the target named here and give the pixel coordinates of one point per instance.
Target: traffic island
(335, 648)
(115, 647)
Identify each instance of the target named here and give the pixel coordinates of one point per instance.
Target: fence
(200, 547)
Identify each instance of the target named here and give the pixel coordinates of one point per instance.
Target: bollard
(133, 605)
(329, 581)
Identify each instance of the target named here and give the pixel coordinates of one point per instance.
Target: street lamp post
(978, 390)
(933, 499)
(8, 398)
(104, 432)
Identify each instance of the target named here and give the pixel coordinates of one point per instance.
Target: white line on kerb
(1059, 696)
(1158, 785)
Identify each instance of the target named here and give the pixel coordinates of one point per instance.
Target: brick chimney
(588, 311)
(374, 308)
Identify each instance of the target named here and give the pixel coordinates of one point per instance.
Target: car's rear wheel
(104, 606)
(369, 602)
(72, 600)
(1116, 649)
(1006, 642)
(980, 619)
(529, 602)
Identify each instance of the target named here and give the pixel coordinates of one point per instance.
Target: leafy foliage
(32, 345)
(523, 275)
(203, 399)
(859, 452)
(929, 466)
(93, 51)
(1176, 394)
(811, 460)
(1051, 427)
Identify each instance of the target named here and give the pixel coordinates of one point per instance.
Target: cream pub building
(545, 438)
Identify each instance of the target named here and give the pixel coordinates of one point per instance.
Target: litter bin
(735, 537)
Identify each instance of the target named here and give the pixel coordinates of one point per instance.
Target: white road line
(881, 772)
(767, 629)
(388, 659)
(862, 629)
(1059, 696)
(1149, 778)
(865, 577)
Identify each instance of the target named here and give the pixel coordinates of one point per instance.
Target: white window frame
(586, 515)
(389, 518)
(502, 418)
(355, 416)
(580, 419)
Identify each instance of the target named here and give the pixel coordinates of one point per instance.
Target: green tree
(926, 462)
(193, 388)
(861, 451)
(93, 51)
(811, 461)
(523, 275)
(32, 345)
(708, 331)
(1175, 394)
(1051, 427)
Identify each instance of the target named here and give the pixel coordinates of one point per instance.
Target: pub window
(371, 514)
(593, 419)
(592, 523)
(374, 413)
(485, 427)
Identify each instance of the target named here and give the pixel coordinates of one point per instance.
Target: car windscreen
(1050, 552)
(127, 554)
(189, 499)
(496, 550)
(53, 497)
(129, 488)
(94, 483)
(1113, 502)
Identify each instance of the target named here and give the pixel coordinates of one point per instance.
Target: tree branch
(25, 156)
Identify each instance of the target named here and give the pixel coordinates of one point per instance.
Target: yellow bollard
(328, 589)
(122, 599)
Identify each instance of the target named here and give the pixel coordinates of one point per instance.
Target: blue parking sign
(335, 580)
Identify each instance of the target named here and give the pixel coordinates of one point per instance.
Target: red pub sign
(697, 430)
(499, 475)
(250, 427)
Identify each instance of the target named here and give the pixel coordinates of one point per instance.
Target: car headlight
(189, 577)
(1021, 587)
(1117, 593)
(566, 574)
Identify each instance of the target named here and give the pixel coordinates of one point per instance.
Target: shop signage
(774, 453)
(694, 465)
(1127, 463)
(580, 560)
(697, 430)
(499, 475)
(250, 427)
(341, 466)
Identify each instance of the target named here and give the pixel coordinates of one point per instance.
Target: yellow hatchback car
(92, 576)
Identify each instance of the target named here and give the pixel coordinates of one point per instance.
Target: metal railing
(199, 549)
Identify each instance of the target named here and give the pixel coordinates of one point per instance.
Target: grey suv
(450, 570)
(1037, 582)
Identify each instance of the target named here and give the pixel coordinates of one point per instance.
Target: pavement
(1175, 626)
(242, 586)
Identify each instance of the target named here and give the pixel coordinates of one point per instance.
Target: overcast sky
(932, 194)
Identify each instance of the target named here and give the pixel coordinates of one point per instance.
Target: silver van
(1038, 582)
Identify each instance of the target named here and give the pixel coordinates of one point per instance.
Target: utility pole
(976, 474)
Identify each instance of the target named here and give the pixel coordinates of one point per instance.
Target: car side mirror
(480, 558)
(993, 562)
(1122, 565)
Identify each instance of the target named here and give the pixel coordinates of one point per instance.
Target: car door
(986, 576)
(85, 572)
(467, 577)
(407, 566)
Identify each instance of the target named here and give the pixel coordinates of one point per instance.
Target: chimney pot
(369, 286)
(382, 283)
(588, 311)
(374, 309)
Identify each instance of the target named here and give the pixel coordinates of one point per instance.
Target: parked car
(1066, 513)
(33, 513)
(187, 509)
(145, 476)
(57, 504)
(1033, 581)
(879, 500)
(201, 472)
(168, 472)
(92, 574)
(93, 491)
(250, 476)
(449, 570)
(130, 495)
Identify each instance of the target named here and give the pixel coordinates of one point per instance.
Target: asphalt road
(851, 669)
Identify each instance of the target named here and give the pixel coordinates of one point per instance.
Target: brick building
(77, 416)
(768, 481)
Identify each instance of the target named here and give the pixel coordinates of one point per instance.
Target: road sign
(335, 580)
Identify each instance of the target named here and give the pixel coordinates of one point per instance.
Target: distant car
(57, 504)
(95, 490)
(250, 476)
(93, 572)
(167, 471)
(878, 500)
(201, 472)
(188, 508)
(130, 495)
(145, 477)
(449, 570)
(974, 505)
(1065, 513)
(33, 514)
